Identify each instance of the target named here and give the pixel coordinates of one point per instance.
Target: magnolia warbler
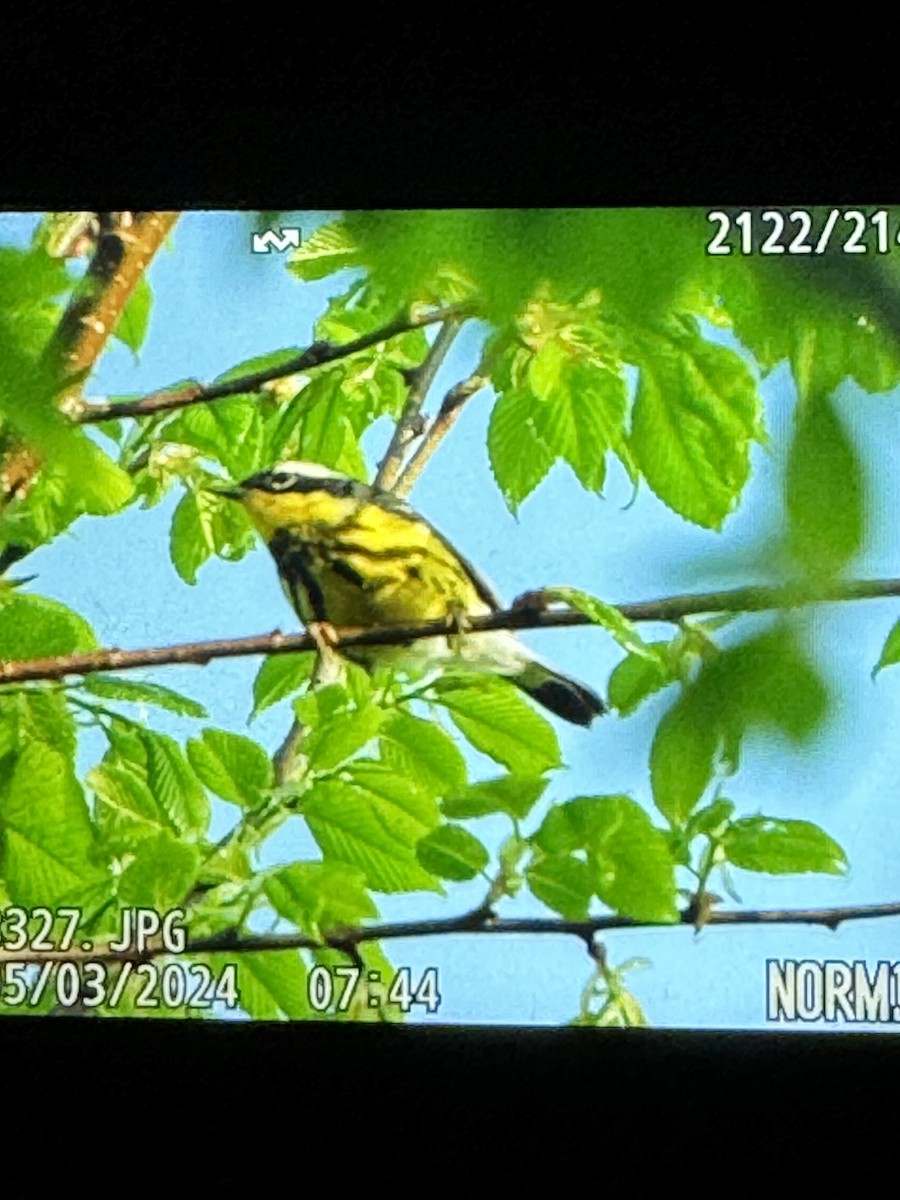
(349, 554)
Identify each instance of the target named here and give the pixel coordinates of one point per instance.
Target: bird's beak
(231, 491)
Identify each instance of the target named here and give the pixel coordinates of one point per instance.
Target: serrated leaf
(823, 492)
(37, 627)
(36, 714)
(173, 783)
(451, 852)
(341, 736)
(330, 248)
(682, 757)
(635, 873)
(890, 652)
(563, 883)
(695, 415)
(518, 454)
(279, 676)
(126, 810)
(232, 766)
(624, 631)
(161, 873)
(635, 678)
(782, 847)
(272, 985)
(260, 363)
(424, 750)
(131, 327)
(232, 431)
(710, 819)
(581, 416)
(372, 819)
(318, 896)
(515, 795)
(111, 687)
(632, 868)
(190, 539)
(50, 854)
(499, 722)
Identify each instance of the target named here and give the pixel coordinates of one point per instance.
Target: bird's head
(293, 493)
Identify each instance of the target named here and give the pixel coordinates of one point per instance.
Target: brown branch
(124, 250)
(409, 426)
(314, 356)
(440, 426)
(479, 921)
(669, 609)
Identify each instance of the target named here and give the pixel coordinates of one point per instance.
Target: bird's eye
(281, 481)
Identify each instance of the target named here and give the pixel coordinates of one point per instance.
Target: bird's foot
(329, 667)
(459, 625)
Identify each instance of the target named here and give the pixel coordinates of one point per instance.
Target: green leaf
(515, 795)
(710, 820)
(630, 861)
(232, 431)
(330, 248)
(111, 687)
(131, 327)
(36, 627)
(279, 676)
(232, 766)
(424, 751)
(635, 874)
(563, 883)
(190, 540)
(519, 456)
(259, 363)
(451, 852)
(635, 678)
(272, 985)
(126, 809)
(695, 415)
(497, 720)
(372, 819)
(319, 896)
(50, 855)
(890, 653)
(682, 757)
(174, 784)
(581, 415)
(824, 492)
(340, 736)
(36, 714)
(781, 847)
(161, 873)
(624, 631)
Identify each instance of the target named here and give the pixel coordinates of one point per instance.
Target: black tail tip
(570, 700)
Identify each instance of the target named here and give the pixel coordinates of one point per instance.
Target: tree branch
(409, 425)
(316, 355)
(668, 609)
(479, 921)
(440, 426)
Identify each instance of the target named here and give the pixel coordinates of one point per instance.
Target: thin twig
(447, 414)
(669, 609)
(409, 426)
(314, 356)
(479, 921)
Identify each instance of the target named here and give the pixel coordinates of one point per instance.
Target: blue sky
(218, 304)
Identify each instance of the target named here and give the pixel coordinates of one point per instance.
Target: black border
(416, 129)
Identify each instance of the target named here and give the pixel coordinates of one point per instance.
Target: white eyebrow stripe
(307, 470)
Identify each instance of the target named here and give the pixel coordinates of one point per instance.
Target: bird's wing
(394, 504)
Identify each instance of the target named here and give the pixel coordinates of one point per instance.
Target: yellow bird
(349, 554)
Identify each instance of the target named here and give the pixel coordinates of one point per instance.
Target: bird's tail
(569, 699)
